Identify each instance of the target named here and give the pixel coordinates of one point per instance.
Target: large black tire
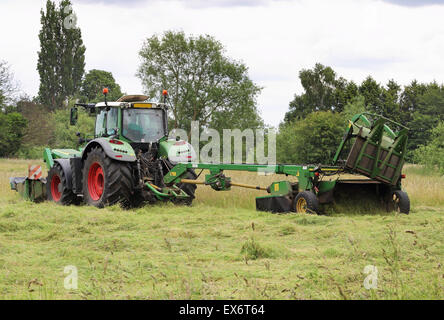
(190, 189)
(306, 202)
(57, 188)
(106, 181)
(401, 201)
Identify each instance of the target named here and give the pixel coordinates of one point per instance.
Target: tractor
(126, 160)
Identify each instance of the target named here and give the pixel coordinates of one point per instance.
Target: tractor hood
(177, 151)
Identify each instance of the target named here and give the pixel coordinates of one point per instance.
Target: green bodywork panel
(50, 154)
(281, 188)
(325, 186)
(164, 147)
(65, 153)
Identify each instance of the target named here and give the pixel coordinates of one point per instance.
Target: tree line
(418, 106)
(204, 84)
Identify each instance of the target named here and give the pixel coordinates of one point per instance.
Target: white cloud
(276, 39)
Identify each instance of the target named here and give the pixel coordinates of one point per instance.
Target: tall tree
(323, 91)
(7, 85)
(61, 61)
(430, 111)
(95, 80)
(372, 93)
(390, 107)
(203, 83)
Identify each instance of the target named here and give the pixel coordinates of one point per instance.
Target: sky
(387, 39)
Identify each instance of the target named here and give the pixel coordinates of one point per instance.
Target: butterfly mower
(131, 161)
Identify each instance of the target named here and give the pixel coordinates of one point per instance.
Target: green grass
(220, 248)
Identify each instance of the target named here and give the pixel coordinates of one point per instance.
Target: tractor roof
(133, 98)
(129, 101)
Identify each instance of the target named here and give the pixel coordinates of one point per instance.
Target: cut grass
(220, 248)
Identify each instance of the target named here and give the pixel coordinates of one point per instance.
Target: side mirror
(73, 117)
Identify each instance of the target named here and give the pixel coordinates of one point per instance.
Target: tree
(353, 107)
(203, 83)
(13, 128)
(372, 92)
(65, 134)
(39, 130)
(322, 91)
(390, 107)
(310, 140)
(432, 154)
(7, 85)
(429, 112)
(95, 80)
(61, 59)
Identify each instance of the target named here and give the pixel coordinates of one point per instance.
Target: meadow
(221, 247)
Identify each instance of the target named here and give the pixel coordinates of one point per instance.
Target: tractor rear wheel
(190, 189)
(401, 201)
(57, 187)
(106, 181)
(306, 202)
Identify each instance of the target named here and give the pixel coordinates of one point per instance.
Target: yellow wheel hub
(301, 205)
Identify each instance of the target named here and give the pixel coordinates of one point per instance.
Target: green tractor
(126, 160)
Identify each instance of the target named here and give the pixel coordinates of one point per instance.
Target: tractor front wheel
(306, 202)
(57, 187)
(106, 181)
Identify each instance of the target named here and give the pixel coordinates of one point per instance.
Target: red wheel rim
(55, 183)
(95, 181)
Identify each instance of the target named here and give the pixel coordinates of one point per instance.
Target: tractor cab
(140, 122)
(131, 118)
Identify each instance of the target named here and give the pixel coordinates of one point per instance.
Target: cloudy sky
(399, 39)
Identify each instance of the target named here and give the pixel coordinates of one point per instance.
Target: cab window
(100, 124)
(143, 125)
(112, 119)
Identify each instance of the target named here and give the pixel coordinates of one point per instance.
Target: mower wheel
(401, 201)
(106, 181)
(57, 187)
(189, 188)
(306, 202)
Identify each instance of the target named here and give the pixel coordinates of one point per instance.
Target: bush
(30, 152)
(65, 134)
(311, 140)
(432, 154)
(13, 127)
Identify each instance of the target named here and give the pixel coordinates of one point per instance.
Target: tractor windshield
(143, 125)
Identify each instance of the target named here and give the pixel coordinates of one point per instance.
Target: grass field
(220, 248)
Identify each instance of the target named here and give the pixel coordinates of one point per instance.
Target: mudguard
(66, 167)
(120, 152)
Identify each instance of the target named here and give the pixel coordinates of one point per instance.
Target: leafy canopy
(203, 83)
(311, 140)
(95, 80)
